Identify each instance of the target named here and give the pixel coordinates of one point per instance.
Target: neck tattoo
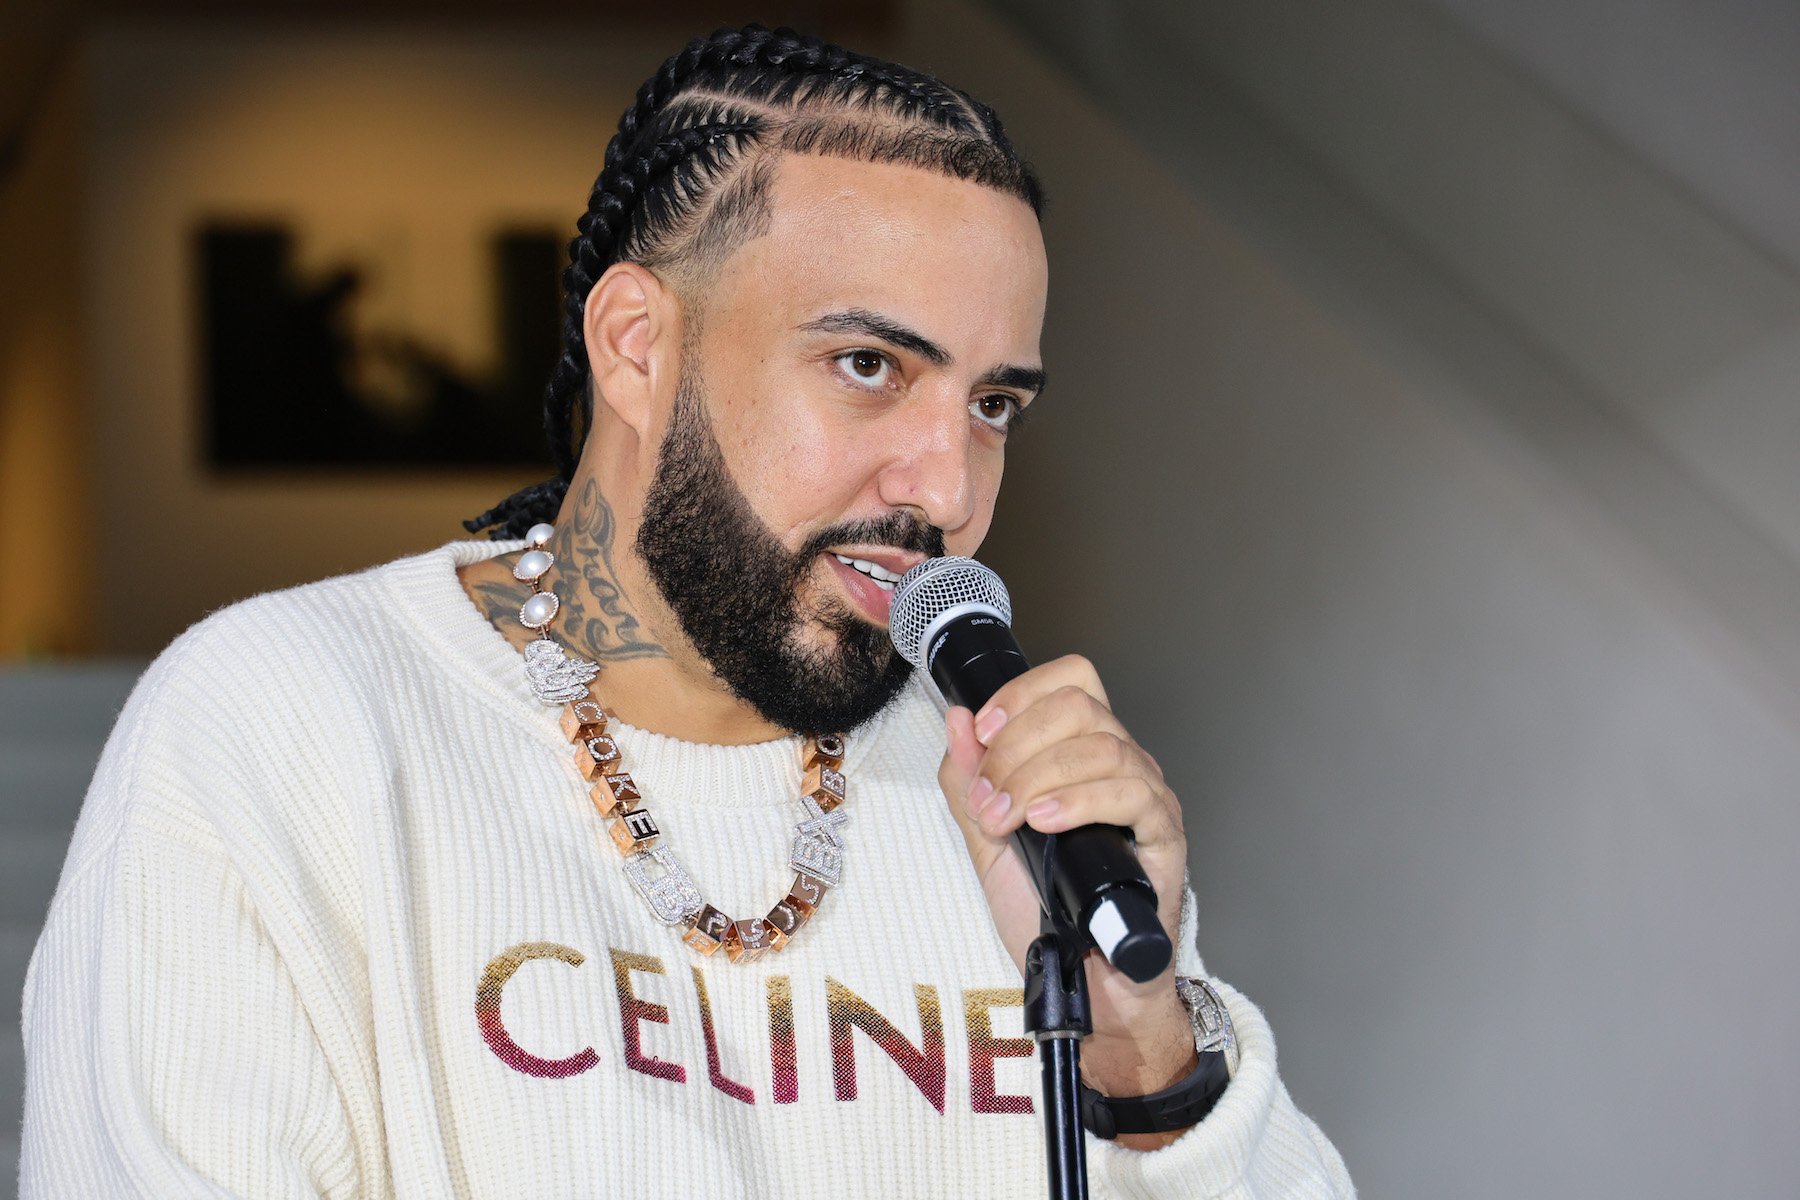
(817, 852)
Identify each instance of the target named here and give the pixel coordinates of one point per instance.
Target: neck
(651, 676)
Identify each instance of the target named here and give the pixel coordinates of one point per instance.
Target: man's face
(846, 398)
(736, 589)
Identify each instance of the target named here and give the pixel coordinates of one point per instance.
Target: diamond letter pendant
(817, 849)
(665, 883)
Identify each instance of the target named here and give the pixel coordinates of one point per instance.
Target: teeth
(885, 578)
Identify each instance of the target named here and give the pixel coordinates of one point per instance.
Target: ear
(631, 324)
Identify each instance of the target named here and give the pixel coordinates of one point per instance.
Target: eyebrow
(1026, 379)
(886, 329)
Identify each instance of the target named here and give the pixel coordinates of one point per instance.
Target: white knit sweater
(340, 920)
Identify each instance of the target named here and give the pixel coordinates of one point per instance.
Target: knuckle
(1177, 818)
(1085, 670)
(1165, 814)
(1070, 700)
(1076, 662)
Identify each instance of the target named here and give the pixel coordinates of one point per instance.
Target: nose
(931, 468)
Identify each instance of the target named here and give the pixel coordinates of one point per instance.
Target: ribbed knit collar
(672, 771)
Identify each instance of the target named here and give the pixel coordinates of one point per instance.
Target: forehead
(957, 260)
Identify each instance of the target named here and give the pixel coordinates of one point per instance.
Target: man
(421, 882)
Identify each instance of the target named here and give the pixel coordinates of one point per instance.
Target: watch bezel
(1210, 1018)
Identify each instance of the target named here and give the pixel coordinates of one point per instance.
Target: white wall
(1374, 473)
(1703, 87)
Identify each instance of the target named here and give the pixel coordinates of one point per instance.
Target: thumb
(962, 755)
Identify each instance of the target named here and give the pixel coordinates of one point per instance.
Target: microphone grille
(933, 588)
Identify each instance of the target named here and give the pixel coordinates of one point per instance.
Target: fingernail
(978, 795)
(1042, 809)
(995, 809)
(990, 723)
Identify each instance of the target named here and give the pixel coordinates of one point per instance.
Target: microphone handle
(1087, 878)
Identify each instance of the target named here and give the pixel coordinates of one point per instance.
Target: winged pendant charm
(553, 675)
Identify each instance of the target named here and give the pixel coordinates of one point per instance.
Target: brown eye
(997, 409)
(867, 367)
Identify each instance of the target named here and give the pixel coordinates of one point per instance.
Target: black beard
(736, 589)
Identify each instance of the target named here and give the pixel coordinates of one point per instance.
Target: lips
(869, 582)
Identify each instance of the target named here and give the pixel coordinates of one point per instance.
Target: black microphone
(952, 617)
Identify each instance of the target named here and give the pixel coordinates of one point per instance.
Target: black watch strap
(1184, 1103)
(1176, 1107)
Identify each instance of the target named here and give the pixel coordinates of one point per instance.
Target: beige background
(349, 131)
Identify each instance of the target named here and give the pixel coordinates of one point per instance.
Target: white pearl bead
(540, 533)
(539, 610)
(532, 564)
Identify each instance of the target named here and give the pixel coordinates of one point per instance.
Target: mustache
(901, 529)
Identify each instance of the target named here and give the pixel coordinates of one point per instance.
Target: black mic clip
(1094, 893)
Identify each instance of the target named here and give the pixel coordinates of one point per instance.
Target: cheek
(805, 449)
(796, 471)
(967, 540)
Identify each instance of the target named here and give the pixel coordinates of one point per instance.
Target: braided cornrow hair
(685, 176)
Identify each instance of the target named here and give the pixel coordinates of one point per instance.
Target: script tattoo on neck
(593, 619)
(594, 613)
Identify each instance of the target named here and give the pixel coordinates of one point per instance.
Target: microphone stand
(1056, 1014)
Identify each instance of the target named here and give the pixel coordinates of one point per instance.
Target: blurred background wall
(1422, 468)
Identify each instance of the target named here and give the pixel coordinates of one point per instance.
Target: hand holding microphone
(1047, 747)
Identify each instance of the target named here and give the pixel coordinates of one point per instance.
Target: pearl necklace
(817, 852)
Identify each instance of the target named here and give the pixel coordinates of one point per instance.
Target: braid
(590, 253)
(688, 133)
(516, 514)
(602, 230)
(675, 73)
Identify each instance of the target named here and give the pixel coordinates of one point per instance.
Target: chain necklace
(817, 853)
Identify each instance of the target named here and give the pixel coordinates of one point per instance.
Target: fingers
(1070, 671)
(1047, 749)
(1094, 777)
(1139, 805)
(1060, 714)
(1057, 716)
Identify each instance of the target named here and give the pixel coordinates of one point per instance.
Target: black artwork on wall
(291, 380)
